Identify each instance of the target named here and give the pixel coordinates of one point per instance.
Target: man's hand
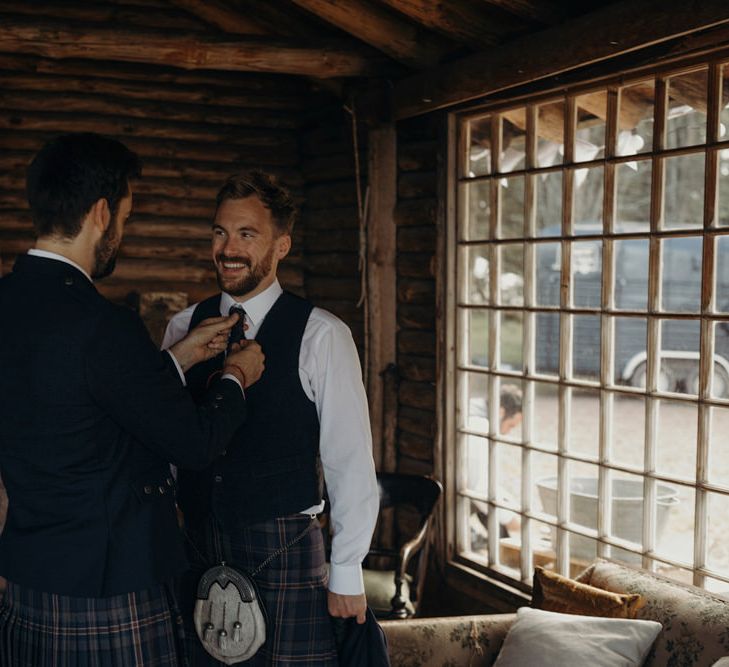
(206, 340)
(245, 360)
(347, 606)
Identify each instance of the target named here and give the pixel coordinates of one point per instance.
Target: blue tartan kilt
(292, 588)
(141, 629)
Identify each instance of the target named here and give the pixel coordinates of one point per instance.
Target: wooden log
(417, 369)
(221, 16)
(157, 308)
(538, 11)
(333, 194)
(401, 40)
(330, 167)
(340, 265)
(419, 395)
(415, 291)
(245, 54)
(416, 239)
(409, 466)
(415, 265)
(124, 108)
(417, 156)
(416, 343)
(340, 240)
(415, 447)
(416, 317)
(341, 289)
(234, 83)
(417, 185)
(416, 212)
(461, 21)
(418, 422)
(327, 218)
(616, 29)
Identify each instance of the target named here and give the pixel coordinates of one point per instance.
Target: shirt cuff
(230, 376)
(179, 368)
(346, 579)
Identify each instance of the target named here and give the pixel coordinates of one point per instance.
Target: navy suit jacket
(91, 415)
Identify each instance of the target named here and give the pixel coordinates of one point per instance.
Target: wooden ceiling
(316, 38)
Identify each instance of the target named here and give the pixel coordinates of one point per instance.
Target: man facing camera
(91, 415)
(307, 424)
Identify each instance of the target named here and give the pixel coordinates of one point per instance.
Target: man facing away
(91, 414)
(307, 423)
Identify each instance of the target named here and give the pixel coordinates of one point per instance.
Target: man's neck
(259, 289)
(67, 249)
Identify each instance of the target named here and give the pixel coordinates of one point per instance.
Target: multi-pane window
(589, 401)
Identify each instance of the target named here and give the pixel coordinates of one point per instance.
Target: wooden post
(382, 293)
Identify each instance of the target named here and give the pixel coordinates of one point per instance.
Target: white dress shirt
(331, 377)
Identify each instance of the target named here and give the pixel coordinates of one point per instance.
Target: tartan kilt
(292, 588)
(141, 629)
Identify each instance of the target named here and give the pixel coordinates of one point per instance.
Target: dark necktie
(237, 333)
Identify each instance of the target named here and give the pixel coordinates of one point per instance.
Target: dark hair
(510, 400)
(274, 196)
(70, 174)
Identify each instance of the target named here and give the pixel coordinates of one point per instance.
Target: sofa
(695, 630)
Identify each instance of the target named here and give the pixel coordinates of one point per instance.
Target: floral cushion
(474, 641)
(695, 623)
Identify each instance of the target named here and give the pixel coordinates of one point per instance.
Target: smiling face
(246, 246)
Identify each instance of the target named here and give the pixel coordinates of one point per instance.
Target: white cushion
(722, 662)
(548, 639)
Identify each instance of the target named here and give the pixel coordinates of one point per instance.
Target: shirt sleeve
(333, 368)
(177, 328)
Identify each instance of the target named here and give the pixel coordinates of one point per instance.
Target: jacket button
(169, 481)
(68, 280)
(148, 489)
(218, 397)
(162, 490)
(224, 452)
(218, 479)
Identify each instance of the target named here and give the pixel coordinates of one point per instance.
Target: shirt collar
(256, 307)
(60, 258)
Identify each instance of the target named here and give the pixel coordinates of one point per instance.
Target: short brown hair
(274, 196)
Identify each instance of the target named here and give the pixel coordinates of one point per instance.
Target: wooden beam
(613, 30)
(538, 11)
(249, 54)
(460, 21)
(382, 293)
(398, 38)
(221, 16)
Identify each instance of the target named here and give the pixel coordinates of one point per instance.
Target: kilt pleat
(292, 588)
(141, 629)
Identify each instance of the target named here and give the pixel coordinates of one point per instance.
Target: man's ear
(283, 245)
(100, 215)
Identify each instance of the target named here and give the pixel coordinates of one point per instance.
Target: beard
(105, 253)
(252, 279)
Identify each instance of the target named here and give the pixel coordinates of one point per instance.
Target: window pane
(548, 261)
(477, 532)
(586, 265)
(550, 133)
(512, 207)
(478, 156)
(511, 274)
(586, 347)
(513, 140)
(545, 420)
(473, 337)
(684, 192)
(717, 587)
(686, 122)
(584, 433)
(721, 281)
(543, 553)
(549, 203)
(590, 133)
(544, 471)
(635, 122)
(679, 355)
(476, 466)
(626, 522)
(512, 327)
(723, 186)
(633, 206)
(718, 470)
(508, 475)
(681, 274)
(473, 409)
(628, 431)
(475, 274)
(717, 544)
(583, 509)
(588, 193)
(631, 274)
(720, 377)
(475, 202)
(676, 439)
(510, 409)
(675, 505)
(630, 350)
(724, 113)
(547, 342)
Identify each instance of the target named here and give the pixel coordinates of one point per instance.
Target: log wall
(192, 130)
